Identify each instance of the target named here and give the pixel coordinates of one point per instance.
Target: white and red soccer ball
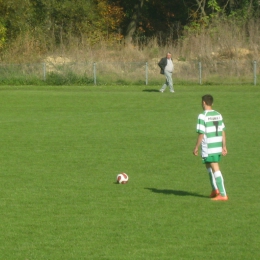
(122, 178)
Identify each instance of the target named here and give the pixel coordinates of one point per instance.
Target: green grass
(62, 147)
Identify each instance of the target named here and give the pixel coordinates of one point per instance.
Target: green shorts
(210, 159)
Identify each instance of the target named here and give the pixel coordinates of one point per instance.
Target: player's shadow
(151, 90)
(176, 192)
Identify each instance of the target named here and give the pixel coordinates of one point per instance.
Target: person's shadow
(151, 90)
(176, 192)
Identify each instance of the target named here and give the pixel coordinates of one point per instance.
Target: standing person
(167, 68)
(212, 139)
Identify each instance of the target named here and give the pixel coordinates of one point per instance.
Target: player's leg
(212, 180)
(219, 181)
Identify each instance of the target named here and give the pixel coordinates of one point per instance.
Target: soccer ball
(122, 178)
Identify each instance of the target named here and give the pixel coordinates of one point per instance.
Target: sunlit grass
(62, 147)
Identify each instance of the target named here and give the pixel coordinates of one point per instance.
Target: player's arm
(224, 147)
(199, 140)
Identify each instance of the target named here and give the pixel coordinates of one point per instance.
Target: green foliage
(56, 23)
(214, 10)
(181, 58)
(16, 17)
(213, 4)
(2, 35)
(62, 148)
(20, 81)
(69, 78)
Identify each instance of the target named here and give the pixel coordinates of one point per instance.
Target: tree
(131, 28)
(149, 17)
(15, 16)
(2, 35)
(58, 21)
(111, 16)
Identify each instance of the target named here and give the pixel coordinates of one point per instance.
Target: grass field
(62, 147)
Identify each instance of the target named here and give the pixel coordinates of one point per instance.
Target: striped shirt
(210, 123)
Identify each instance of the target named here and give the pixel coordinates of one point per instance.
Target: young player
(212, 139)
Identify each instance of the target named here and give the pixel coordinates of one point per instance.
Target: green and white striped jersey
(210, 123)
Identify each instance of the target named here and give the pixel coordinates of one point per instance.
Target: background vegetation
(94, 30)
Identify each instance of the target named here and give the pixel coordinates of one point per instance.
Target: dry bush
(25, 49)
(222, 39)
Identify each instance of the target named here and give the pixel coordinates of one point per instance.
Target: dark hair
(208, 99)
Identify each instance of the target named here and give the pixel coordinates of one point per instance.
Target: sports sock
(212, 179)
(220, 183)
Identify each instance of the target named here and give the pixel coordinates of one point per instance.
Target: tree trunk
(231, 5)
(131, 28)
(201, 6)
